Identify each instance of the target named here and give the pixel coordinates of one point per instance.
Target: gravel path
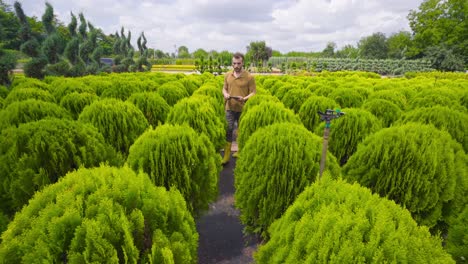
(221, 239)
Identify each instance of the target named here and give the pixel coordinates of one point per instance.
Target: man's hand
(226, 96)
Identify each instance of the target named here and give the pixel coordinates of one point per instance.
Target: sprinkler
(328, 116)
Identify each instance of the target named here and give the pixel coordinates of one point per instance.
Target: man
(239, 86)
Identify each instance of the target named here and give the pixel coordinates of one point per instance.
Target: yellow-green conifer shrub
(98, 83)
(122, 89)
(415, 165)
(121, 123)
(64, 86)
(457, 237)
(152, 105)
(464, 100)
(347, 97)
(25, 82)
(386, 111)
(189, 84)
(336, 222)
(429, 100)
(172, 92)
(308, 113)
(177, 156)
(261, 115)
(30, 110)
(211, 90)
(442, 117)
(39, 153)
(256, 100)
(21, 94)
(202, 117)
(293, 99)
(281, 91)
(1, 102)
(76, 102)
(277, 163)
(394, 96)
(3, 92)
(348, 131)
(102, 215)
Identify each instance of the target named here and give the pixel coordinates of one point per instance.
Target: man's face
(237, 64)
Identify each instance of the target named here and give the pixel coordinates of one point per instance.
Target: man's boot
(236, 154)
(227, 153)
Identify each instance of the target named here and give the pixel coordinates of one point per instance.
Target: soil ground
(221, 238)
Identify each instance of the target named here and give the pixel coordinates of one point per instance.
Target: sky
(285, 25)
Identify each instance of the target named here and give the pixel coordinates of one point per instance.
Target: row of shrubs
(166, 130)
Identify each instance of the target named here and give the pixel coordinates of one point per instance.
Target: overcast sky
(285, 25)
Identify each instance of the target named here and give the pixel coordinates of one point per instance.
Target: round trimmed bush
(336, 222)
(102, 215)
(121, 90)
(212, 91)
(172, 92)
(277, 163)
(430, 100)
(442, 117)
(201, 116)
(457, 238)
(219, 108)
(386, 111)
(177, 156)
(3, 92)
(415, 165)
(28, 93)
(189, 85)
(30, 110)
(25, 82)
(308, 111)
(39, 153)
(293, 99)
(121, 123)
(152, 105)
(285, 88)
(348, 131)
(76, 102)
(264, 114)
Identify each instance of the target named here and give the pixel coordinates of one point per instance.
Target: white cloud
(285, 25)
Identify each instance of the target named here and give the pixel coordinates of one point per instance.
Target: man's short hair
(238, 55)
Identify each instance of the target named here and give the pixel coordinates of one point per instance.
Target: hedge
(277, 163)
(39, 153)
(180, 157)
(336, 222)
(121, 123)
(415, 165)
(102, 215)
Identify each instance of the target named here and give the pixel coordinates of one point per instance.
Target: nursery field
(118, 168)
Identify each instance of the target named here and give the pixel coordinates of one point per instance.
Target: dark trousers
(231, 117)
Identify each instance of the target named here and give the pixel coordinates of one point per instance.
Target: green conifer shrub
(308, 111)
(64, 86)
(261, 115)
(39, 153)
(415, 165)
(256, 100)
(189, 85)
(177, 156)
(28, 93)
(152, 105)
(219, 108)
(281, 91)
(336, 222)
(121, 90)
(3, 92)
(430, 100)
(25, 82)
(212, 91)
(121, 123)
(293, 99)
(386, 111)
(277, 163)
(443, 118)
(347, 97)
(457, 238)
(348, 131)
(394, 96)
(172, 92)
(201, 116)
(102, 215)
(76, 102)
(30, 110)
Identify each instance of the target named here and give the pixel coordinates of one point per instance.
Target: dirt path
(221, 239)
